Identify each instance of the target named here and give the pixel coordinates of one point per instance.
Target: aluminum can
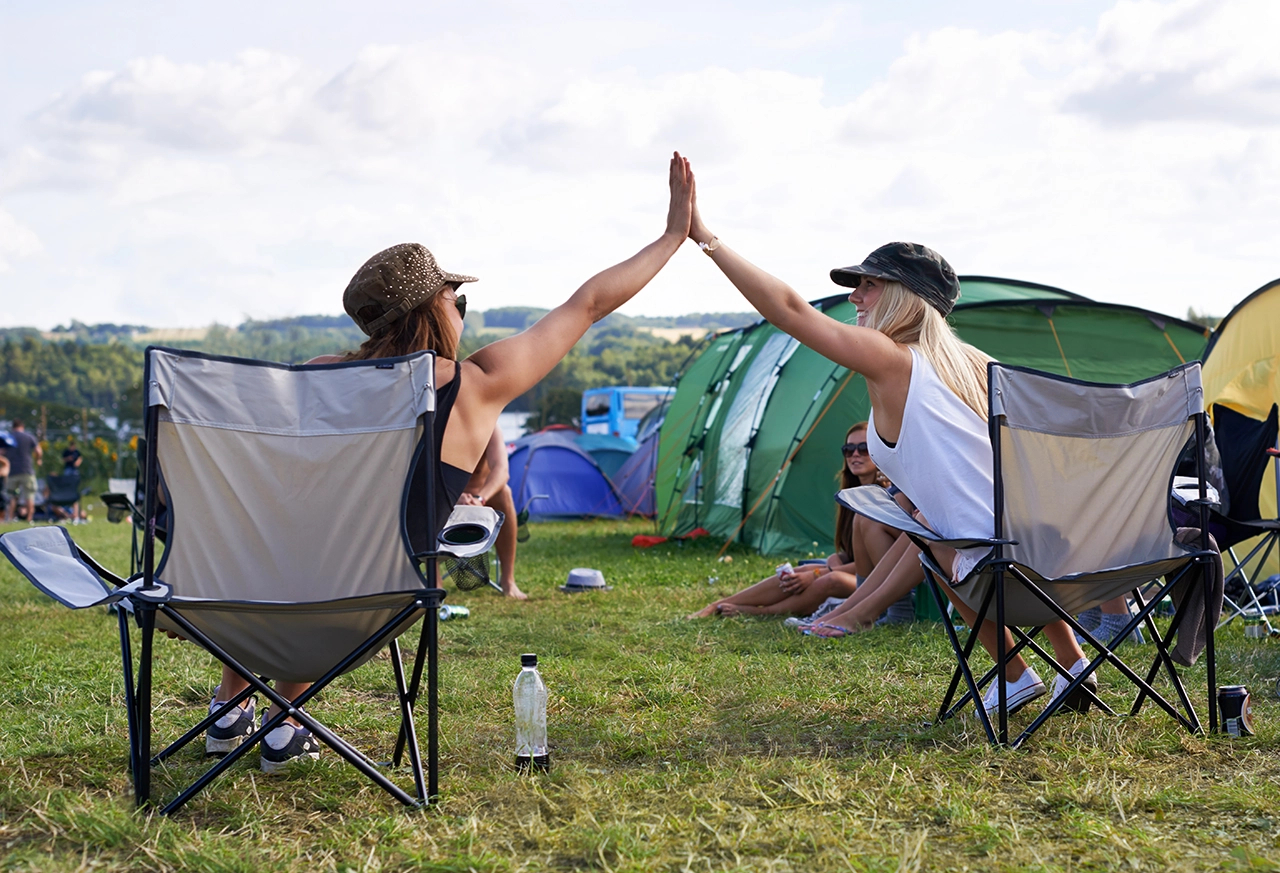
(449, 613)
(1236, 710)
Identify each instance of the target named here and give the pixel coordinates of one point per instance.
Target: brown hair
(844, 517)
(420, 329)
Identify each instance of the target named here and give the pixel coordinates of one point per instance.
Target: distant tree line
(93, 373)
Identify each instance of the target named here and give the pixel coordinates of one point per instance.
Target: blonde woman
(928, 391)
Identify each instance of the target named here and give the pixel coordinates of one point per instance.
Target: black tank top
(447, 480)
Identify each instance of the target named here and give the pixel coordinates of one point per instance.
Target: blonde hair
(906, 318)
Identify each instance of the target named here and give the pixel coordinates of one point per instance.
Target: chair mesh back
(286, 484)
(1087, 469)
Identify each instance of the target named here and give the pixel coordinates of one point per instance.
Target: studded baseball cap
(922, 270)
(392, 282)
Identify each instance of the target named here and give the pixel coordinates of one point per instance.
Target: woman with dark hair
(928, 423)
(406, 303)
(802, 590)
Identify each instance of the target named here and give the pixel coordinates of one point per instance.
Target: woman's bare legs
(871, 541)
(763, 593)
(506, 545)
(769, 597)
(1065, 647)
(835, 584)
(897, 572)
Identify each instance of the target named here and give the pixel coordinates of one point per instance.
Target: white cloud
(1192, 60)
(16, 241)
(1111, 161)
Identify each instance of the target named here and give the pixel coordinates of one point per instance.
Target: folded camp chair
(1245, 444)
(1082, 489)
(299, 502)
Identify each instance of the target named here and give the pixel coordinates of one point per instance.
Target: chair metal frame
(143, 598)
(877, 505)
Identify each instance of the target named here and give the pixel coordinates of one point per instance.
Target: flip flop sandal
(816, 630)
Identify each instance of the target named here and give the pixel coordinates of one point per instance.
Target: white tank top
(942, 461)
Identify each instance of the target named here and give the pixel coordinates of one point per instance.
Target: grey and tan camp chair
(1083, 474)
(299, 502)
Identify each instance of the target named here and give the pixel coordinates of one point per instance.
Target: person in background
(808, 587)
(4, 479)
(71, 460)
(24, 458)
(488, 487)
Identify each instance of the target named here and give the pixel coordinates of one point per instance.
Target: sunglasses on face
(849, 449)
(460, 301)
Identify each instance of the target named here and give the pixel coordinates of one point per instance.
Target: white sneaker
(1079, 701)
(1019, 692)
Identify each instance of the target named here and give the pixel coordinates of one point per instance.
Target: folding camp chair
(121, 500)
(1245, 444)
(63, 492)
(284, 557)
(1083, 474)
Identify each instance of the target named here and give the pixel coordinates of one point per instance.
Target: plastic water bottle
(530, 698)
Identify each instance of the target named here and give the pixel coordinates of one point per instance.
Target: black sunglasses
(461, 302)
(852, 448)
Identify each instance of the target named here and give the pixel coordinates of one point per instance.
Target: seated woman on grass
(808, 586)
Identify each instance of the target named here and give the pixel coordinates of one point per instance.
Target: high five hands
(680, 213)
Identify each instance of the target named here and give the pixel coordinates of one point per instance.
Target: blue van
(617, 411)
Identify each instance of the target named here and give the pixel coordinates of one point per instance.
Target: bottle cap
(529, 660)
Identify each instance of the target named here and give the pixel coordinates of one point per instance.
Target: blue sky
(176, 164)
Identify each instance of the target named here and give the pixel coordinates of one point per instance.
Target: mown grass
(676, 745)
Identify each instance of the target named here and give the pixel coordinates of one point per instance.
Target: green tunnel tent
(748, 448)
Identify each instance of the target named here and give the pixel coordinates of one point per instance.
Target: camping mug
(1237, 713)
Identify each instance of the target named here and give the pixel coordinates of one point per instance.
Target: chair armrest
(470, 531)
(52, 562)
(877, 504)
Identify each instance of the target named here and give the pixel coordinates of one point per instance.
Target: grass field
(676, 745)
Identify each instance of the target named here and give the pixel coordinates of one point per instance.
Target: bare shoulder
(326, 359)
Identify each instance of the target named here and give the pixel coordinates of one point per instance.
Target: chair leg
(406, 721)
(1002, 690)
(142, 704)
(1211, 666)
(1162, 659)
(1105, 653)
(415, 683)
(292, 708)
(962, 661)
(433, 706)
(130, 699)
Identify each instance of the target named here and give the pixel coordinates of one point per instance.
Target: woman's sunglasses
(461, 302)
(849, 449)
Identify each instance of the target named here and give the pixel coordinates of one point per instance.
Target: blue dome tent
(555, 479)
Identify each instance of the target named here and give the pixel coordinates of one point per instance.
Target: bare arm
(861, 349)
(506, 369)
(497, 471)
